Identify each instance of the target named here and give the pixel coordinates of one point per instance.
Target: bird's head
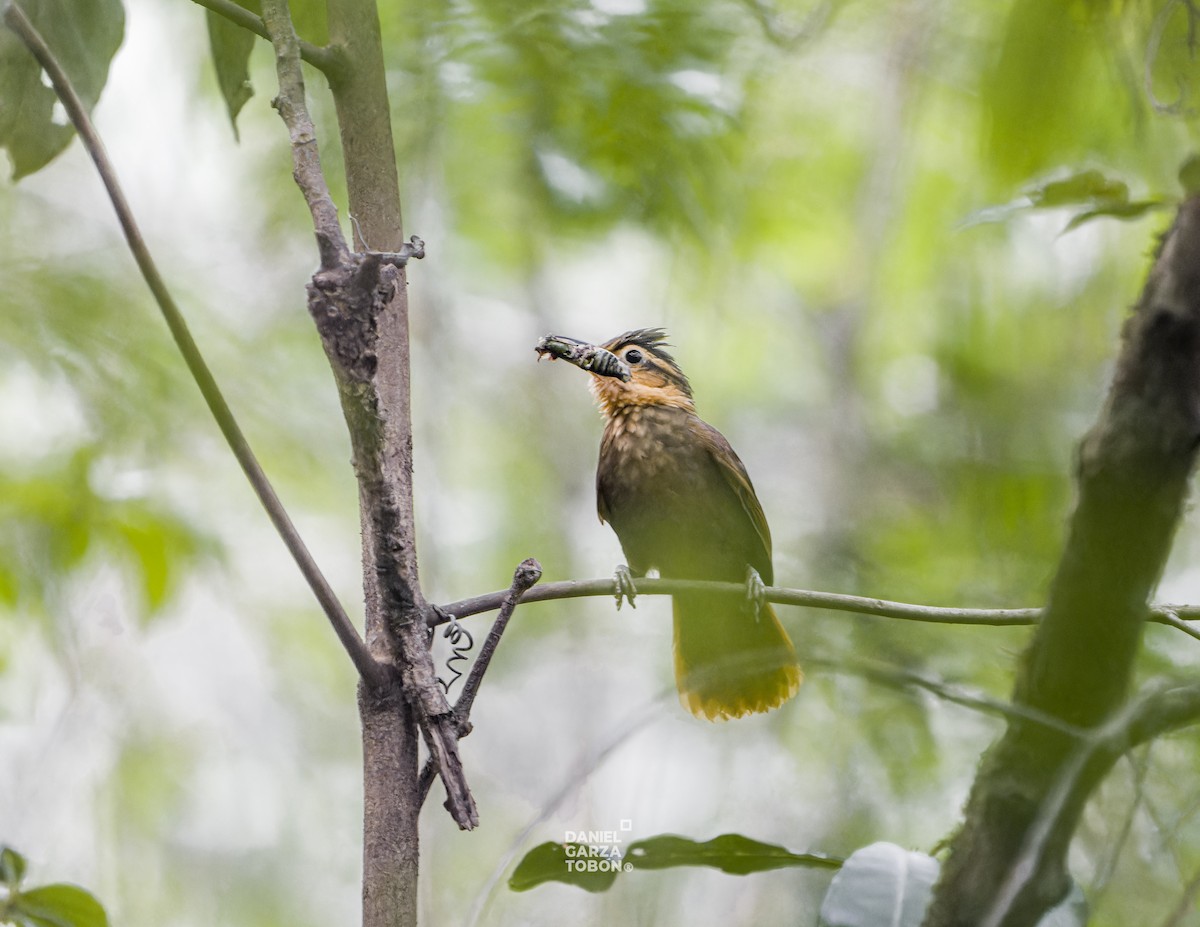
(633, 369)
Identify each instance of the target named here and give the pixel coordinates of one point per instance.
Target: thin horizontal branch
(1174, 616)
(1170, 615)
(370, 671)
(325, 60)
(901, 678)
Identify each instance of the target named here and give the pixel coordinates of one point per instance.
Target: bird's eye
(633, 357)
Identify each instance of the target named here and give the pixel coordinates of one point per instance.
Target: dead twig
(527, 574)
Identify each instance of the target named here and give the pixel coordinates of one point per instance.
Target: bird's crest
(654, 342)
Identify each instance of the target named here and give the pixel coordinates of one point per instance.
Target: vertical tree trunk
(383, 464)
(1133, 473)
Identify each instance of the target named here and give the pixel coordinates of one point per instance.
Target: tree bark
(377, 406)
(1133, 472)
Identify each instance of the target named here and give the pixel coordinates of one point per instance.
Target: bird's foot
(756, 591)
(623, 579)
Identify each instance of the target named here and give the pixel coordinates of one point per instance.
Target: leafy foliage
(52, 520)
(231, 46)
(84, 34)
(57, 905)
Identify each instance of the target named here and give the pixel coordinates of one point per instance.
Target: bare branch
(898, 677)
(306, 159)
(805, 598)
(1151, 714)
(1166, 711)
(1170, 615)
(527, 574)
(370, 671)
(326, 60)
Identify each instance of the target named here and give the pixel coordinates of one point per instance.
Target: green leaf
(12, 867)
(563, 862)
(880, 884)
(231, 46)
(1124, 211)
(594, 869)
(1090, 186)
(730, 853)
(84, 35)
(1105, 194)
(59, 905)
(159, 546)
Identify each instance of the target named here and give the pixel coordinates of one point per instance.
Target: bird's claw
(756, 591)
(623, 580)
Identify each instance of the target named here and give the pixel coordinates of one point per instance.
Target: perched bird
(681, 502)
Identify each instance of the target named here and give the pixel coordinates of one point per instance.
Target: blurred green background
(833, 208)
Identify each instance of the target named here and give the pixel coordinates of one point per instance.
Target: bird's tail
(728, 663)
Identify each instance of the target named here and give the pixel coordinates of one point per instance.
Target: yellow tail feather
(727, 662)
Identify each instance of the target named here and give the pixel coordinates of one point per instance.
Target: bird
(681, 502)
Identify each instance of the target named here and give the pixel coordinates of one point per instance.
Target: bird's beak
(585, 356)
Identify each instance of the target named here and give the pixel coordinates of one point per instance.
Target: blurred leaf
(84, 35)
(1134, 210)
(880, 884)
(12, 867)
(563, 862)
(730, 853)
(52, 520)
(594, 120)
(162, 547)
(59, 905)
(230, 46)
(1088, 186)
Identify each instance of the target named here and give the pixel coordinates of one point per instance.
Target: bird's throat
(619, 399)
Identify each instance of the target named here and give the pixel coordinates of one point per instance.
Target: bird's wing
(734, 472)
(603, 509)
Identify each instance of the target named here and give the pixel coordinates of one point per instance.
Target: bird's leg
(756, 591)
(623, 579)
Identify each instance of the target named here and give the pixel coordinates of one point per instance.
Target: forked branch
(326, 60)
(527, 574)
